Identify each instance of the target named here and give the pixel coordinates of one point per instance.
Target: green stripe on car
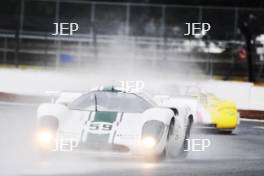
(105, 116)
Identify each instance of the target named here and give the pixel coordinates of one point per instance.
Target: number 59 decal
(99, 127)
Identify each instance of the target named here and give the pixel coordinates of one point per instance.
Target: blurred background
(146, 32)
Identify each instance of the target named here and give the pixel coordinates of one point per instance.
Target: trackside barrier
(246, 95)
(256, 101)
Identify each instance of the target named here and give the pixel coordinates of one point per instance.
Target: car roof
(141, 94)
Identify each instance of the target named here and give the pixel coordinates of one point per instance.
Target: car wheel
(181, 143)
(184, 150)
(227, 132)
(175, 139)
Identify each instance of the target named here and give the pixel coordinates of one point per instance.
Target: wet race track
(239, 154)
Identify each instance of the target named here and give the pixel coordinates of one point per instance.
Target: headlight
(154, 129)
(149, 142)
(45, 138)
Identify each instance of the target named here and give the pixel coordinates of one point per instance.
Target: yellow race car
(223, 113)
(209, 110)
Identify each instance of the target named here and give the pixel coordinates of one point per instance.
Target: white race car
(114, 120)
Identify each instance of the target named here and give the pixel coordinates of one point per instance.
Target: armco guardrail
(239, 92)
(246, 95)
(19, 98)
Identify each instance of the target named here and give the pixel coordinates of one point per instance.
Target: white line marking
(251, 120)
(259, 127)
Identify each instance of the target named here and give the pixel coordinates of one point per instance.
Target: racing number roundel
(99, 127)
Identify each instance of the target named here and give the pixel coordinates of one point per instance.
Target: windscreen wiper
(95, 102)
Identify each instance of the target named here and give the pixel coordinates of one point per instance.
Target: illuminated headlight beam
(45, 138)
(149, 142)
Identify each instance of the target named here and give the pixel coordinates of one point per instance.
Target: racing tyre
(226, 132)
(184, 151)
(179, 151)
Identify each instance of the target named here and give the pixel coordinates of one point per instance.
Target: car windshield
(111, 101)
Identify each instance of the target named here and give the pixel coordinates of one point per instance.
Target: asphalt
(241, 153)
